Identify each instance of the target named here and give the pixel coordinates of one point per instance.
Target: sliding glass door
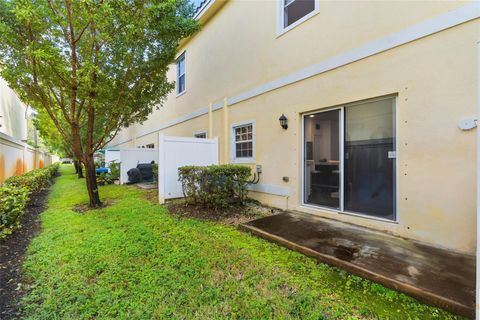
(356, 142)
(322, 159)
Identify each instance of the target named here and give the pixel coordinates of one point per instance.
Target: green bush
(34, 181)
(155, 172)
(12, 203)
(17, 191)
(114, 170)
(216, 185)
(104, 179)
(53, 169)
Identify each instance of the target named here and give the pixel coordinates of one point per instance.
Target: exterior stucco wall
(433, 79)
(17, 158)
(12, 111)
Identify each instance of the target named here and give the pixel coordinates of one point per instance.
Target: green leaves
(122, 53)
(16, 192)
(12, 203)
(93, 67)
(216, 185)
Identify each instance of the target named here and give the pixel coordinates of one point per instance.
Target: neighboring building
(372, 92)
(13, 113)
(16, 157)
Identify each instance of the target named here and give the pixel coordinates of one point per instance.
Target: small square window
(181, 85)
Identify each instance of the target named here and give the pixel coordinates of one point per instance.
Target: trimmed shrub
(12, 203)
(34, 181)
(155, 172)
(17, 191)
(114, 170)
(214, 186)
(104, 179)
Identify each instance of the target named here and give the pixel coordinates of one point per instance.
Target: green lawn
(134, 260)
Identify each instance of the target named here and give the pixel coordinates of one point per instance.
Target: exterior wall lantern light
(283, 121)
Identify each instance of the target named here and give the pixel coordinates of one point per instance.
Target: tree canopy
(93, 66)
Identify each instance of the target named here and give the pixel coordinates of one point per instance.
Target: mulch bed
(12, 254)
(233, 216)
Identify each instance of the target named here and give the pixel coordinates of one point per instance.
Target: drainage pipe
(477, 285)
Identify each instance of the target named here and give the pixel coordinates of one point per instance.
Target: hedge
(215, 185)
(17, 191)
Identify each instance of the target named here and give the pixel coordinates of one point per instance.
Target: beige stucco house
(372, 93)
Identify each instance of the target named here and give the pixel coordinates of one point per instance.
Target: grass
(134, 260)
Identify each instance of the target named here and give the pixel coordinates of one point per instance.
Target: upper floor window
(150, 146)
(181, 74)
(294, 12)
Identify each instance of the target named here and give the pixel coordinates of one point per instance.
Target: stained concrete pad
(433, 275)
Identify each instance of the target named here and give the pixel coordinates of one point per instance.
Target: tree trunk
(91, 180)
(78, 169)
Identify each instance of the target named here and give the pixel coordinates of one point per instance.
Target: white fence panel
(112, 155)
(129, 158)
(175, 152)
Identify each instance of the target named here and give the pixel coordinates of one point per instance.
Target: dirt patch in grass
(151, 195)
(84, 208)
(233, 216)
(12, 253)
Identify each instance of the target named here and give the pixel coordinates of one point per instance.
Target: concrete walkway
(436, 276)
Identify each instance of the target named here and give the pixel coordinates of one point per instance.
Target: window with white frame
(294, 12)
(150, 146)
(201, 135)
(243, 142)
(181, 74)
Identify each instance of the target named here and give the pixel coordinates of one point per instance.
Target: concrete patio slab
(435, 276)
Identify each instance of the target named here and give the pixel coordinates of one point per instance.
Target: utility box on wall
(175, 152)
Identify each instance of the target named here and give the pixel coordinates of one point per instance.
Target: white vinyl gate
(175, 152)
(130, 158)
(111, 155)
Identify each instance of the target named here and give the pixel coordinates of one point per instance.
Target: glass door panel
(322, 159)
(370, 158)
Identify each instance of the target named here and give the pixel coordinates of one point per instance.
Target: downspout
(210, 121)
(477, 291)
(226, 132)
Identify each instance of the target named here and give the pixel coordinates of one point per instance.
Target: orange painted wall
(2, 168)
(19, 167)
(17, 159)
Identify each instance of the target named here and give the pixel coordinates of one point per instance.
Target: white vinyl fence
(111, 155)
(130, 158)
(175, 152)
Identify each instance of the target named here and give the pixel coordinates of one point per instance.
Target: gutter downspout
(226, 132)
(210, 121)
(477, 291)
